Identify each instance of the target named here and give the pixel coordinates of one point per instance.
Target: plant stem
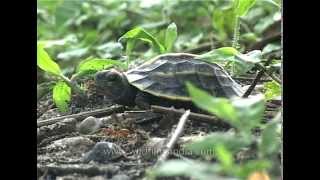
(236, 32)
(73, 86)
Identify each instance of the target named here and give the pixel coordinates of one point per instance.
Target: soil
(135, 136)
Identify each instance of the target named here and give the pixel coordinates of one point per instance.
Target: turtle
(162, 81)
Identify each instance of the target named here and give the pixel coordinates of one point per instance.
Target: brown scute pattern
(166, 77)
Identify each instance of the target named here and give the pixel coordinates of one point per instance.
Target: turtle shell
(166, 76)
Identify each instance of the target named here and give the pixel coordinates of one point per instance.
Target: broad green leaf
(243, 6)
(194, 169)
(207, 145)
(45, 62)
(97, 65)
(129, 47)
(224, 156)
(61, 96)
(241, 63)
(249, 37)
(141, 34)
(220, 107)
(249, 111)
(271, 90)
(221, 54)
(171, 36)
(242, 113)
(270, 140)
(245, 62)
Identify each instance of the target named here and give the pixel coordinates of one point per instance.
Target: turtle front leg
(142, 100)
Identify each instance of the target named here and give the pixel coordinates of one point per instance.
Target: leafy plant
(243, 114)
(229, 56)
(271, 90)
(141, 34)
(241, 7)
(64, 86)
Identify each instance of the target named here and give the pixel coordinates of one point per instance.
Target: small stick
(82, 115)
(192, 116)
(256, 80)
(253, 84)
(178, 131)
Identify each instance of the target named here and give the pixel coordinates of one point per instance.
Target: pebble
(89, 125)
(103, 152)
(120, 177)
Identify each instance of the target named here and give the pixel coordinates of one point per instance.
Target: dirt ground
(79, 147)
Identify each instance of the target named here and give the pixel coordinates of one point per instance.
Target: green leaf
(242, 113)
(141, 34)
(249, 112)
(171, 36)
(243, 6)
(241, 63)
(217, 55)
(97, 65)
(206, 146)
(220, 107)
(45, 62)
(224, 156)
(245, 62)
(270, 141)
(249, 37)
(129, 47)
(61, 96)
(272, 90)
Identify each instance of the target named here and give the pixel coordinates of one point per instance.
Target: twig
(192, 116)
(256, 80)
(98, 112)
(249, 79)
(178, 131)
(253, 84)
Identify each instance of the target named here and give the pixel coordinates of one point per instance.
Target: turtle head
(114, 85)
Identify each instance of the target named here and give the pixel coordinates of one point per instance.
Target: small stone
(89, 125)
(103, 152)
(120, 177)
